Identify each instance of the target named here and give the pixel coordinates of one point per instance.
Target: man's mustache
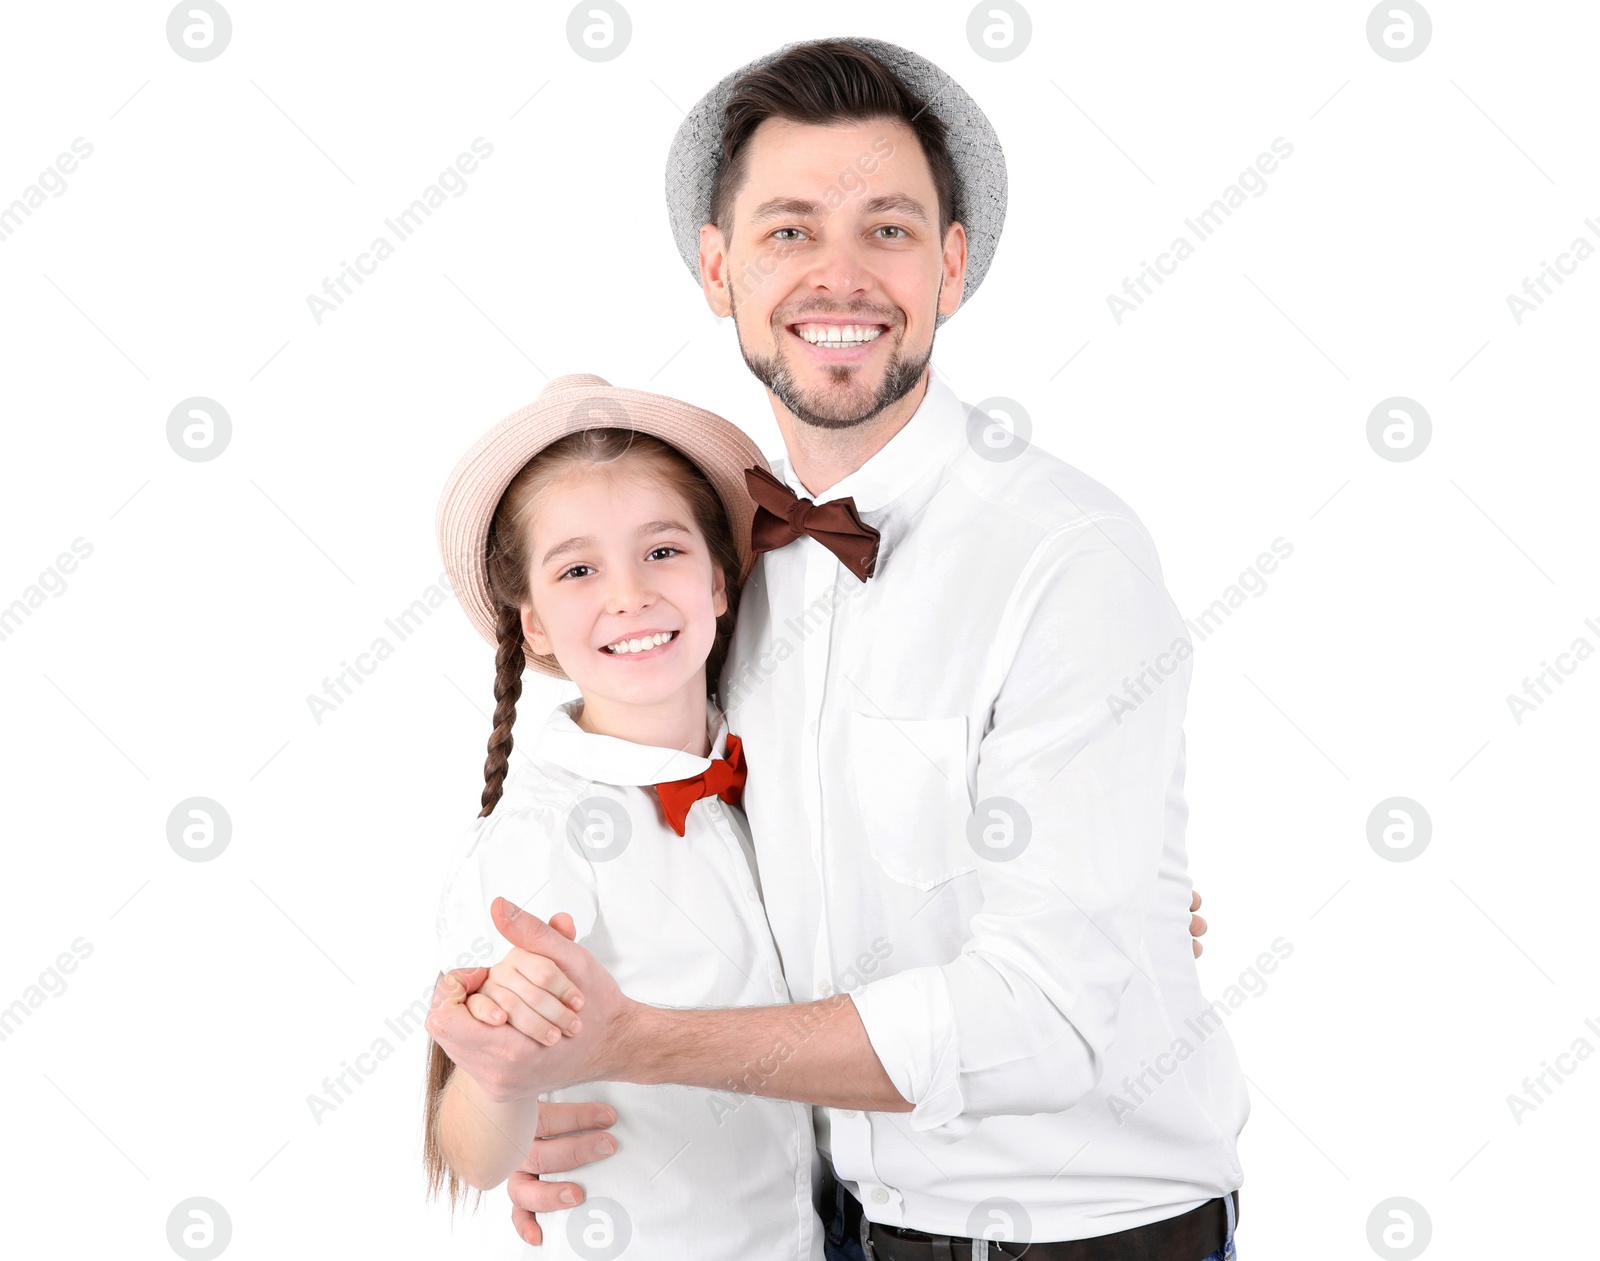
(864, 317)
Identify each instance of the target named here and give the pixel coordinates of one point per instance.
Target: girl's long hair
(591, 452)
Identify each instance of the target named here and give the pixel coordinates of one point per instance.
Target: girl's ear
(534, 633)
(719, 591)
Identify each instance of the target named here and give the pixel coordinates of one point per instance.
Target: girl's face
(618, 558)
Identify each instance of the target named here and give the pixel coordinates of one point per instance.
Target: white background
(1229, 410)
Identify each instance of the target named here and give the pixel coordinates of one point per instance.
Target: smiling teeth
(639, 645)
(839, 334)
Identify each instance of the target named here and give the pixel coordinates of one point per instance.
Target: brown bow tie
(782, 516)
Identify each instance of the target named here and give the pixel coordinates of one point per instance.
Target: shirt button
(714, 807)
(849, 1112)
(812, 726)
(752, 894)
(879, 1195)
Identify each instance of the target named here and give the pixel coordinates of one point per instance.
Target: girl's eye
(665, 547)
(571, 571)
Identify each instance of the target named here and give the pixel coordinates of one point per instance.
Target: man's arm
(814, 1052)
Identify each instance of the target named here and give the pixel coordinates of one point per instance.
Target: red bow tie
(782, 516)
(723, 778)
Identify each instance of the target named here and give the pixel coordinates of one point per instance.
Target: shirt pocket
(911, 781)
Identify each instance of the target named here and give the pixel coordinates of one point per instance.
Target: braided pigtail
(508, 665)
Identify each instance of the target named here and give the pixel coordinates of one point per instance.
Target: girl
(601, 535)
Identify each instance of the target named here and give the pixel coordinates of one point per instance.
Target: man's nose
(839, 264)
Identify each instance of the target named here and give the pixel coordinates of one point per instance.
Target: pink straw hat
(717, 447)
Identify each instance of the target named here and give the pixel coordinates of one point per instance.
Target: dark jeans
(835, 1247)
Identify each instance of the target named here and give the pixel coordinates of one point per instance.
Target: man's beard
(836, 408)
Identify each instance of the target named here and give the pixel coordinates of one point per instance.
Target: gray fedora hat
(980, 165)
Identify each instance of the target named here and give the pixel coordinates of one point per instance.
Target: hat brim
(980, 163)
(719, 448)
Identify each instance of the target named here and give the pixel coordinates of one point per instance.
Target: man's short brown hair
(827, 81)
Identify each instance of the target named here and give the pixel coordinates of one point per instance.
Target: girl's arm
(484, 1141)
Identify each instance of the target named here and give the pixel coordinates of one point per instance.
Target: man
(960, 684)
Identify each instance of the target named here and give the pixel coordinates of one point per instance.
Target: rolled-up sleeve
(1072, 782)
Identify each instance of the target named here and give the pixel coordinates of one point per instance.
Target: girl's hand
(485, 1009)
(531, 993)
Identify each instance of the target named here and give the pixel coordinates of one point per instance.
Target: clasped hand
(515, 1028)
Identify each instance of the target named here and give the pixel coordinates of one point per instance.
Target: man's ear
(953, 267)
(534, 633)
(714, 269)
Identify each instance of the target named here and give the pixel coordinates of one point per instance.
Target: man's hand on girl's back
(570, 1135)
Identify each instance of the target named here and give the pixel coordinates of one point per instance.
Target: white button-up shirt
(678, 921)
(967, 804)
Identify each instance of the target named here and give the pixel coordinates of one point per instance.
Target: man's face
(834, 269)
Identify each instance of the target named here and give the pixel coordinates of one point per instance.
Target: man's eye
(892, 227)
(782, 230)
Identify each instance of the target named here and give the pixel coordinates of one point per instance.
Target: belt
(1190, 1236)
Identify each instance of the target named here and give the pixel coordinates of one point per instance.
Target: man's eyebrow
(904, 203)
(577, 544)
(785, 207)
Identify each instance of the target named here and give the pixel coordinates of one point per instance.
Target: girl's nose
(629, 591)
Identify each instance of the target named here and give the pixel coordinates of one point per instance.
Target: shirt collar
(612, 760)
(924, 443)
